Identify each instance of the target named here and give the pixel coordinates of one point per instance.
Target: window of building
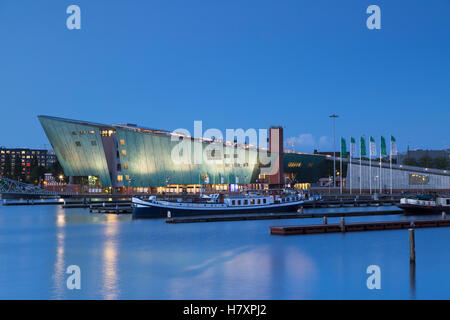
(252, 201)
(74, 133)
(78, 143)
(82, 132)
(233, 202)
(91, 131)
(119, 167)
(125, 166)
(418, 179)
(239, 202)
(122, 142)
(264, 200)
(93, 143)
(127, 177)
(245, 202)
(124, 152)
(119, 178)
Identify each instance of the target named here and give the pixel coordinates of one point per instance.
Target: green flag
(363, 147)
(352, 147)
(372, 147)
(343, 148)
(394, 151)
(383, 147)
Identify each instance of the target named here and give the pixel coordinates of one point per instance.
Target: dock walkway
(358, 226)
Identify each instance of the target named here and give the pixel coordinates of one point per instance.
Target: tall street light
(333, 117)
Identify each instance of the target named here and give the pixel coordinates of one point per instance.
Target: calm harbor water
(121, 258)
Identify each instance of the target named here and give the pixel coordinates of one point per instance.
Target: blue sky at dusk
(232, 64)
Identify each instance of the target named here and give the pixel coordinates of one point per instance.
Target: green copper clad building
(116, 156)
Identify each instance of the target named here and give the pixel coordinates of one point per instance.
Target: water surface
(121, 258)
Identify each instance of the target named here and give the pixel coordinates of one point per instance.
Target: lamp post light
(333, 117)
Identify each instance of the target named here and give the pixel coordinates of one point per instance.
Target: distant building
(44, 158)
(420, 153)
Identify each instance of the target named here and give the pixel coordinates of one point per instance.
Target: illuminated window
(119, 178)
(124, 152)
(122, 142)
(418, 179)
(82, 132)
(107, 133)
(127, 177)
(125, 166)
(91, 131)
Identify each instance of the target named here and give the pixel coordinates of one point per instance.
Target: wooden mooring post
(342, 225)
(412, 246)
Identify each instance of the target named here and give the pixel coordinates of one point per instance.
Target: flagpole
(380, 165)
(370, 167)
(350, 160)
(390, 160)
(360, 167)
(341, 173)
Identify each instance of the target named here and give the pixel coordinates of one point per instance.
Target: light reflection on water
(110, 289)
(59, 283)
(121, 258)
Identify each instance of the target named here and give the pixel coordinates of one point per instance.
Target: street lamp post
(333, 117)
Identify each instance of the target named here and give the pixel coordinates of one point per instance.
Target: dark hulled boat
(425, 204)
(216, 204)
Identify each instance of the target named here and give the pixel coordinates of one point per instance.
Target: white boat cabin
(438, 202)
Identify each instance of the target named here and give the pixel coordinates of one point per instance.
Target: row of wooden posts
(412, 242)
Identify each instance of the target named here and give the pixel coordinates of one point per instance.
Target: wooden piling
(342, 225)
(412, 246)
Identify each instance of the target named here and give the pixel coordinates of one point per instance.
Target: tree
(57, 170)
(425, 161)
(441, 163)
(37, 173)
(410, 162)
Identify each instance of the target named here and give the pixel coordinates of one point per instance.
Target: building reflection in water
(110, 288)
(59, 281)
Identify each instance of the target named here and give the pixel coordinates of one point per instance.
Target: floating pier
(274, 216)
(111, 210)
(358, 226)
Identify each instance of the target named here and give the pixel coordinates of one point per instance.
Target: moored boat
(425, 204)
(216, 204)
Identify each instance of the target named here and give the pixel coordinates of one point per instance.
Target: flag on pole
(383, 147)
(352, 146)
(343, 148)
(363, 147)
(372, 147)
(394, 150)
